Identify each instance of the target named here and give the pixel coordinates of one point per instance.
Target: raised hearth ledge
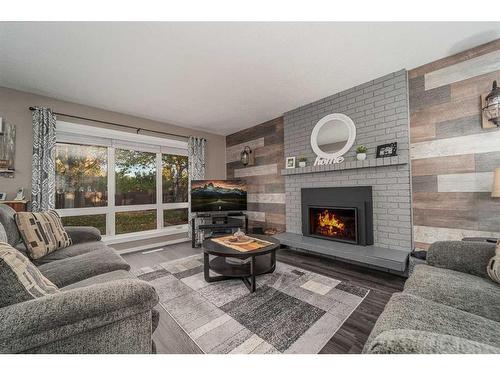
(356, 164)
(381, 257)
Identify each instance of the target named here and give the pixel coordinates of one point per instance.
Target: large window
(120, 185)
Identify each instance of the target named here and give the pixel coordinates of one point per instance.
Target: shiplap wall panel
(256, 171)
(452, 156)
(487, 141)
(443, 165)
(487, 63)
(266, 186)
(233, 153)
(428, 235)
(465, 182)
(256, 216)
(267, 198)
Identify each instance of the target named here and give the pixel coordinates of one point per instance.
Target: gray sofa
(448, 305)
(102, 307)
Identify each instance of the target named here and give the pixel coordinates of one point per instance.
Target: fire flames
(328, 224)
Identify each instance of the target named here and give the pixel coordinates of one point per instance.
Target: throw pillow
(494, 265)
(20, 279)
(3, 234)
(42, 232)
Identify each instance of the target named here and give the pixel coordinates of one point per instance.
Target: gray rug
(292, 310)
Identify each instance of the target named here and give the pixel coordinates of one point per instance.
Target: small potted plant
(361, 152)
(302, 161)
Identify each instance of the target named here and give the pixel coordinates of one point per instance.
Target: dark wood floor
(350, 338)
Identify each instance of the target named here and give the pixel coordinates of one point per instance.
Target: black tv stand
(218, 223)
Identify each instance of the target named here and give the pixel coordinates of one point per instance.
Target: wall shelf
(356, 164)
(7, 173)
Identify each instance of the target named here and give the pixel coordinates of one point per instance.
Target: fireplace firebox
(342, 214)
(333, 223)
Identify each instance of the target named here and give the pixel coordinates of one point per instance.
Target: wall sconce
(246, 156)
(491, 107)
(495, 191)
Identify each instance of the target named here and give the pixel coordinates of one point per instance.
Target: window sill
(119, 238)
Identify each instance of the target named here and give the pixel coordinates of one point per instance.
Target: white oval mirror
(333, 136)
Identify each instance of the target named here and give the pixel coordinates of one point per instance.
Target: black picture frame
(387, 150)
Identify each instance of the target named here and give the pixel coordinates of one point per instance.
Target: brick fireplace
(379, 109)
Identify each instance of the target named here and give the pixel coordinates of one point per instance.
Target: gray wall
(14, 108)
(379, 109)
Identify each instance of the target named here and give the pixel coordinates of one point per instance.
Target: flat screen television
(218, 195)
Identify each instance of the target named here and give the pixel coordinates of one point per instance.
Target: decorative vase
(361, 156)
(302, 164)
(239, 233)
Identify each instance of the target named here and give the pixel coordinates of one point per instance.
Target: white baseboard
(152, 247)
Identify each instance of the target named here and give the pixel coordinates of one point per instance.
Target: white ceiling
(219, 77)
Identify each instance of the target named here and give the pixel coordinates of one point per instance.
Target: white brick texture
(379, 109)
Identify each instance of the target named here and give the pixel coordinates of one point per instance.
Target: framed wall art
(387, 150)
(290, 162)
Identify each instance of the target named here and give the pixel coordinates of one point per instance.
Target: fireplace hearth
(342, 214)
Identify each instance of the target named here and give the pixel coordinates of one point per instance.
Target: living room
(176, 188)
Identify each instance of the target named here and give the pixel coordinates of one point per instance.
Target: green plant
(361, 149)
(302, 158)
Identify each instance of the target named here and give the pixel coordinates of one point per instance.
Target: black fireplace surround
(351, 206)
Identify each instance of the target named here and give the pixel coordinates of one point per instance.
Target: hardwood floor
(350, 338)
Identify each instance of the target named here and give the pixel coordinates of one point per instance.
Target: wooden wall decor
(266, 186)
(453, 154)
(7, 149)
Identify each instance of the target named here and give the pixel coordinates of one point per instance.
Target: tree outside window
(135, 173)
(175, 178)
(81, 176)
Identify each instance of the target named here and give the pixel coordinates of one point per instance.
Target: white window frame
(113, 139)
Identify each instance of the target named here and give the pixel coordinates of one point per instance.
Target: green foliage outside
(135, 172)
(96, 221)
(175, 217)
(175, 178)
(81, 176)
(128, 222)
(137, 221)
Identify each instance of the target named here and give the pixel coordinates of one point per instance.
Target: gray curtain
(43, 166)
(196, 155)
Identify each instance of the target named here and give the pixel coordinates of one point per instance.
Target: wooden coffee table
(261, 261)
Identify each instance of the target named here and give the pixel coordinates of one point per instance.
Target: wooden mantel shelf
(356, 164)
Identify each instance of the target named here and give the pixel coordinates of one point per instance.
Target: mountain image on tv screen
(218, 195)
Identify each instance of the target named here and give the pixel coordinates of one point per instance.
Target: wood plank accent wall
(452, 156)
(266, 186)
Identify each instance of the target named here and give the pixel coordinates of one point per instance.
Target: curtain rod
(115, 124)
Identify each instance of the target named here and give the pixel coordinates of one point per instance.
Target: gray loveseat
(102, 307)
(448, 305)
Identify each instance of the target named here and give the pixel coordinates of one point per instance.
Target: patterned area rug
(292, 310)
